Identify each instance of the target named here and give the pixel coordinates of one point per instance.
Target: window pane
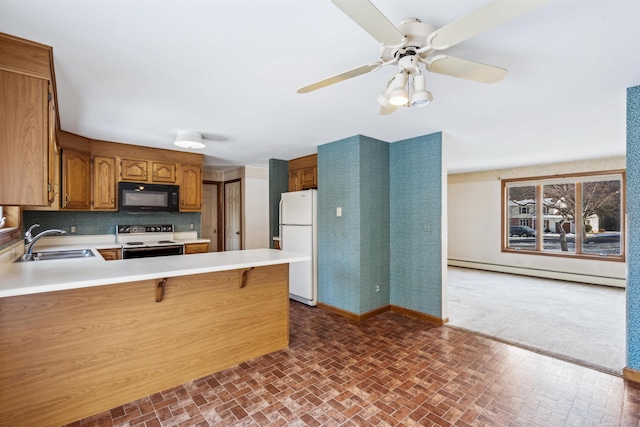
(522, 213)
(559, 223)
(601, 207)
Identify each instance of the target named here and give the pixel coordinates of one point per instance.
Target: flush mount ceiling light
(191, 140)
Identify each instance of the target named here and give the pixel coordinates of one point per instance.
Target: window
(576, 215)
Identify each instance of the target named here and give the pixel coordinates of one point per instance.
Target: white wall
(255, 208)
(474, 221)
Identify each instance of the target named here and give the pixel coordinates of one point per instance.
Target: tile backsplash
(105, 222)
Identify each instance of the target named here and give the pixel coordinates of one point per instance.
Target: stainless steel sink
(69, 254)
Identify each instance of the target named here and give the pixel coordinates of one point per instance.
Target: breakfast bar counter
(24, 278)
(83, 336)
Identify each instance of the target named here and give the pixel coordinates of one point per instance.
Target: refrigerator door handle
(280, 222)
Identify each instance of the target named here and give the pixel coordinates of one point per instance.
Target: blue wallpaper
(633, 229)
(278, 184)
(339, 237)
(388, 193)
(374, 224)
(105, 222)
(416, 234)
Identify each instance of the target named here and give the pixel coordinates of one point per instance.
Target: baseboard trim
(419, 315)
(344, 313)
(631, 375)
(395, 308)
(537, 272)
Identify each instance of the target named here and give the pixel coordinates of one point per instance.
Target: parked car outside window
(522, 231)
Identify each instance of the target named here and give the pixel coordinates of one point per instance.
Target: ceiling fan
(413, 42)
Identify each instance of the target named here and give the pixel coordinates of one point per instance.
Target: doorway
(211, 214)
(232, 215)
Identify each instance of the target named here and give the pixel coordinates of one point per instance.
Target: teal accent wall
(415, 229)
(105, 222)
(339, 237)
(633, 228)
(278, 184)
(374, 224)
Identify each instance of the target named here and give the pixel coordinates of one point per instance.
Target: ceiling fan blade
(385, 111)
(341, 77)
(465, 69)
(488, 16)
(366, 15)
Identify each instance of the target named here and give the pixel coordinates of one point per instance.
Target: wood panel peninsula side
(71, 353)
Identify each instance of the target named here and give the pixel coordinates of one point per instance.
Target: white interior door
(232, 216)
(299, 239)
(210, 215)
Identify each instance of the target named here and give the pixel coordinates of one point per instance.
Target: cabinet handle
(243, 279)
(160, 289)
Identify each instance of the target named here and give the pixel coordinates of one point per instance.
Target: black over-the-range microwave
(138, 197)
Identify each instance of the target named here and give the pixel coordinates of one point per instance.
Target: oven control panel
(156, 228)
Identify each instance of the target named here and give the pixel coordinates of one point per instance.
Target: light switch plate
(339, 211)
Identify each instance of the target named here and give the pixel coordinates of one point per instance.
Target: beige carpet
(581, 323)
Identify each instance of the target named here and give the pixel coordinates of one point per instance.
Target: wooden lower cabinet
(70, 354)
(110, 254)
(196, 248)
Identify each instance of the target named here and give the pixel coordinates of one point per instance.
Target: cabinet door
(53, 186)
(110, 254)
(133, 170)
(294, 180)
(104, 183)
(24, 141)
(308, 178)
(76, 180)
(196, 248)
(190, 188)
(163, 172)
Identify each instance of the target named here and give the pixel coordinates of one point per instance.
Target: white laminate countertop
(24, 278)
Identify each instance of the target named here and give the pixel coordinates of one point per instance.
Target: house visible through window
(577, 215)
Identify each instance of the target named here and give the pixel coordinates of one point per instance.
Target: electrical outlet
(73, 229)
(190, 226)
(377, 288)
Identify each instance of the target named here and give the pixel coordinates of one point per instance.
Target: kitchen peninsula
(82, 336)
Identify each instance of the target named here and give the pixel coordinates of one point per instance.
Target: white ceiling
(140, 71)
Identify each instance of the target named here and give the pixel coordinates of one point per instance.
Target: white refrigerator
(299, 233)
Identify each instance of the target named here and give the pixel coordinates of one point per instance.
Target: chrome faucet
(30, 241)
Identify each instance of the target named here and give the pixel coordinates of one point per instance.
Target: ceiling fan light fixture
(192, 140)
(399, 95)
(421, 96)
(383, 99)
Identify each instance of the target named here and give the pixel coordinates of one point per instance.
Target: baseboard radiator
(537, 272)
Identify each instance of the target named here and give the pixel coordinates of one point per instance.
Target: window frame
(577, 178)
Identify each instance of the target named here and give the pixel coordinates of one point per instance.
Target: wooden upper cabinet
(28, 120)
(76, 180)
(303, 173)
(147, 171)
(24, 140)
(163, 172)
(308, 177)
(190, 188)
(134, 170)
(104, 183)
